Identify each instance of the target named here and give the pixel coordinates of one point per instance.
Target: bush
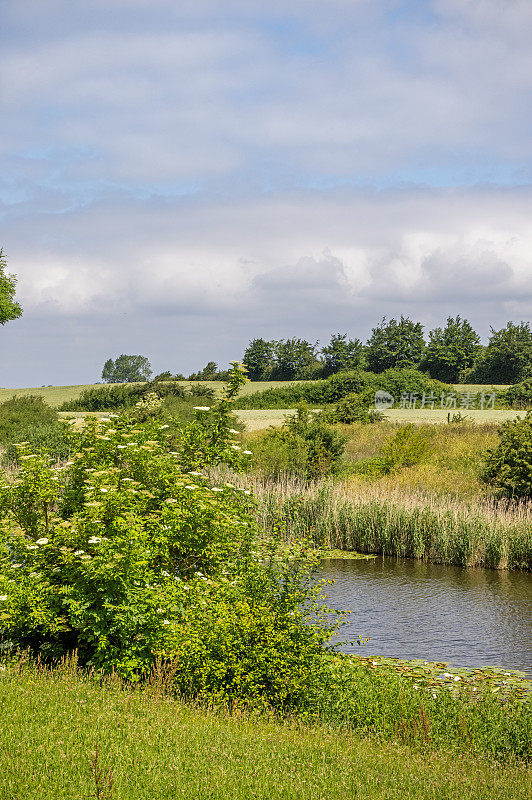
(354, 408)
(19, 412)
(305, 446)
(509, 466)
(519, 395)
(336, 387)
(129, 558)
(29, 419)
(407, 447)
(112, 398)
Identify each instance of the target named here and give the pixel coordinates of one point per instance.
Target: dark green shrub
(132, 560)
(111, 398)
(29, 419)
(19, 412)
(337, 386)
(200, 390)
(305, 446)
(509, 465)
(354, 408)
(519, 395)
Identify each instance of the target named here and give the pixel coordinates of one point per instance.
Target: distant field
(258, 419)
(55, 395)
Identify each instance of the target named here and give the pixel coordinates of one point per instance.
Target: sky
(177, 178)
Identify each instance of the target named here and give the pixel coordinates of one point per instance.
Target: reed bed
(367, 518)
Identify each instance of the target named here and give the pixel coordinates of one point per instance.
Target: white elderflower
(44, 540)
(32, 547)
(232, 430)
(95, 539)
(3, 597)
(196, 474)
(79, 552)
(247, 452)
(202, 408)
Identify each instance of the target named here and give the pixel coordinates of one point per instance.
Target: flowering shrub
(129, 556)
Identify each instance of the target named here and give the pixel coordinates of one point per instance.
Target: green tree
(508, 356)
(451, 350)
(341, 354)
(259, 359)
(9, 308)
(295, 359)
(509, 465)
(395, 344)
(126, 369)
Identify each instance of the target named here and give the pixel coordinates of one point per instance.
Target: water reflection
(411, 609)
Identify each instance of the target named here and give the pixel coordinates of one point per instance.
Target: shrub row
(338, 386)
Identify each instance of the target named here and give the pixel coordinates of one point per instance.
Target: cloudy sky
(179, 177)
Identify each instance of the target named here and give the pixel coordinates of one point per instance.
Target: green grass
(156, 748)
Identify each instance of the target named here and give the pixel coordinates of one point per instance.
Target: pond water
(412, 609)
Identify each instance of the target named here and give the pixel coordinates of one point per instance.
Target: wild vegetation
(156, 557)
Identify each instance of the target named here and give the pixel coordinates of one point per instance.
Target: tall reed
(367, 518)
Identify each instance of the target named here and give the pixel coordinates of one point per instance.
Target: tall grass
(369, 518)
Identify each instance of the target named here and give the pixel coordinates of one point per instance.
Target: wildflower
(3, 597)
(202, 408)
(216, 489)
(95, 539)
(165, 573)
(166, 622)
(196, 474)
(235, 447)
(232, 430)
(457, 677)
(247, 452)
(191, 486)
(44, 540)
(162, 427)
(85, 558)
(104, 490)
(16, 565)
(79, 552)
(170, 500)
(32, 547)
(121, 446)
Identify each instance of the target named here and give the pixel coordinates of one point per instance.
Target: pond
(413, 609)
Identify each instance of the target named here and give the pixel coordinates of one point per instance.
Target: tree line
(453, 353)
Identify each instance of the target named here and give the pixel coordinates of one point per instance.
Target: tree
(509, 465)
(451, 350)
(395, 344)
(259, 359)
(341, 354)
(508, 356)
(9, 308)
(126, 369)
(295, 359)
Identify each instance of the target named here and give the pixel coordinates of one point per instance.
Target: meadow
(67, 735)
(346, 726)
(57, 395)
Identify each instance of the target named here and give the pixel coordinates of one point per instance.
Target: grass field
(258, 419)
(55, 395)
(65, 736)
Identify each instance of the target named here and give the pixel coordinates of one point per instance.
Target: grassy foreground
(65, 736)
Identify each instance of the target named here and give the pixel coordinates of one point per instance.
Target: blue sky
(177, 178)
